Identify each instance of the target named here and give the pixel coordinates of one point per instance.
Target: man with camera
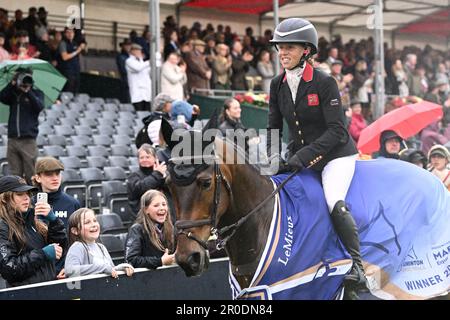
(25, 103)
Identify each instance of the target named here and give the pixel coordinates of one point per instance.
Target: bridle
(182, 225)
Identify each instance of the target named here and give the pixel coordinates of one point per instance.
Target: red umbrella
(406, 121)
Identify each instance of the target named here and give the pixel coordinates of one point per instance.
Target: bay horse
(236, 203)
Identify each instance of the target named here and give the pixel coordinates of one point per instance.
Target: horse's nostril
(194, 260)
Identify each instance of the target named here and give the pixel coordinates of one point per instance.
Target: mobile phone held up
(42, 197)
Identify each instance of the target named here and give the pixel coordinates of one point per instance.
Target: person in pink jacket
(358, 123)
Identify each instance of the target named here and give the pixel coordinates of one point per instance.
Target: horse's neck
(245, 248)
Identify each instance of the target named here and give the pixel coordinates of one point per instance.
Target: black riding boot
(346, 229)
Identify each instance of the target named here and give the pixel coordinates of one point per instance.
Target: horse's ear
(210, 130)
(213, 122)
(167, 130)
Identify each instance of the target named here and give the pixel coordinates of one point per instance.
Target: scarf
(293, 79)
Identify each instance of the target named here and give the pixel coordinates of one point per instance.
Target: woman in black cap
(29, 248)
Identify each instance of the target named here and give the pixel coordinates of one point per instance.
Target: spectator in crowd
(420, 82)
(22, 49)
(31, 239)
(151, 175)
(121, 58)
(173, 77)
(390, 145)
(343, 81)
(43, 48)
(198, 72)
(184, 114)
(415, 157)
(221, 67)
(240, 66)
(152, 123)
(151, 238)
(232, 127)
(333, 54)
(434, 90)
(25, 103)
(144, 42)
(42, 16)
(69, 63)
(4, 55)
(171, 43)
(55, 38)
(410, 67)
(5, 24)
(138, 72)
(442, 73)
(266, 70)
(439, 158)
(361, 85)
(401, 78)
(432, 135)
(19, 22)
(210, 49)
(86, 256)
(31, 24)
(357, 123)
(48, 179)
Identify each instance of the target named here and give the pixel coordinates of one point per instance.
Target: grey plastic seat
(101, 151)
(97, 162)
(81, 140)
(115, 173)
(102, 140)
(71, 162)
(111, 223)
(54, 151)
(83, 130)
(120, 150)
(77, 151)
(56, 140)
(63, 130)
(119, 161)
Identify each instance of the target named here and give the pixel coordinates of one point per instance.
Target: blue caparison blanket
(403, 216)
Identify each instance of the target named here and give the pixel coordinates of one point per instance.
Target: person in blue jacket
(48, 179)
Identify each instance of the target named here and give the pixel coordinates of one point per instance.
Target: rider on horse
(309, 101)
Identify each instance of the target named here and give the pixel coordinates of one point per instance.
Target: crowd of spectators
(32, 37)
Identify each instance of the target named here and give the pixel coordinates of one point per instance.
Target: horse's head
(200, 192)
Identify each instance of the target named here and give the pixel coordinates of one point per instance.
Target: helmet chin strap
(305, 56)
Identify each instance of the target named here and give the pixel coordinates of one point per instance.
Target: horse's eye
(205, 184)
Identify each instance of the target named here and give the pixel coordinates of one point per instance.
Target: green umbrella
(45, 76)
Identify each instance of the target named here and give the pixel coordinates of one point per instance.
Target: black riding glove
(278, 163)
(295, 163)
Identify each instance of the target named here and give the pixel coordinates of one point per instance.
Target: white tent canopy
(357, 13)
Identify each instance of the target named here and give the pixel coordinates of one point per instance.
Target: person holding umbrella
(310, 103)
(390, 145)
(25, 103)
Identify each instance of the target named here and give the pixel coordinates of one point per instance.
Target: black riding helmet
(296, 30)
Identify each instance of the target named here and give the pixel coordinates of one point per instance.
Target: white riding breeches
(336, 179)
